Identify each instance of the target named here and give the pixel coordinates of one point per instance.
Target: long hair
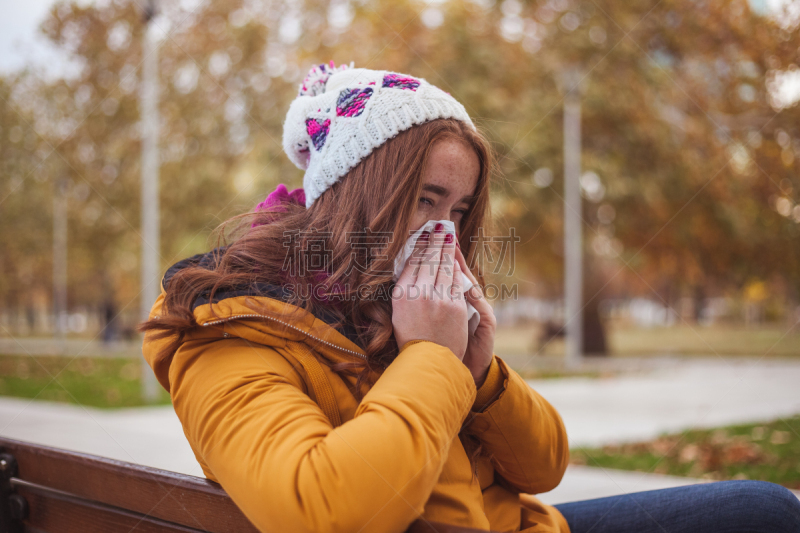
(344, 244)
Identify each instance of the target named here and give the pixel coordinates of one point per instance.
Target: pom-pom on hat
(343, 113)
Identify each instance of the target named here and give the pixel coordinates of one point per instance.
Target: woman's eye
(426, 201)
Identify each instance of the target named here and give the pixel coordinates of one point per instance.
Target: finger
(463, 262)
(475, 297)
(444, 277)
(418, 253)
(429, 260)
(409, 275)
(457, 289)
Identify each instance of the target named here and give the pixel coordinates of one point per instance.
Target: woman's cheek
(418, 220)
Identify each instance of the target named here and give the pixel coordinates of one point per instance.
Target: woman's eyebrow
(435, 189)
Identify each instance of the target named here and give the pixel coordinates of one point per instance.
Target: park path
(635, 405)
(672, 395)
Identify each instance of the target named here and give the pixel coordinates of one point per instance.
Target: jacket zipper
(220, 321)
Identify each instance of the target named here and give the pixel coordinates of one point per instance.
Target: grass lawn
(721, 339)
(767, 452)
(89, 381)
(626, 340)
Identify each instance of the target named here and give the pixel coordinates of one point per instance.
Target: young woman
(324, 395)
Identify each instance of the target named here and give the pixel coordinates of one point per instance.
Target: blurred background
(688, 154)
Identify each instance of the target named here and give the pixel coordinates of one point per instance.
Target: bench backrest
(50, 490)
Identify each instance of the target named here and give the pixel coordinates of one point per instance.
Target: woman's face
(449, 180)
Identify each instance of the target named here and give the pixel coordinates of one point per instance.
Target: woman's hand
(480, 347)
(427, 300)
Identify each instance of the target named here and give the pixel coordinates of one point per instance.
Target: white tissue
(473, 317)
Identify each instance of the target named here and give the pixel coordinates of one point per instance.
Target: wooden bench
(47, 490)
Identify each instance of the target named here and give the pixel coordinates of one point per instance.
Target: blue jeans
(722, 507)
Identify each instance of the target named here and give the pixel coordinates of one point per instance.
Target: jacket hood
(258, 314)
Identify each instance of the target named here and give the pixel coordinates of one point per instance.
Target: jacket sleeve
(245, 412)
(523, 432)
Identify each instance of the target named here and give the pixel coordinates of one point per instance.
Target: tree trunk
(594, 335)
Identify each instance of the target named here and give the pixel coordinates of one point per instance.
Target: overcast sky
(19, 39)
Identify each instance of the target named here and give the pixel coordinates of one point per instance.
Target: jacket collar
(262, 314)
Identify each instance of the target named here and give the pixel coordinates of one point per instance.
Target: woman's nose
(442, 213)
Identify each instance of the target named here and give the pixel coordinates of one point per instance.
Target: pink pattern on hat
(399, 81)
(318, 131)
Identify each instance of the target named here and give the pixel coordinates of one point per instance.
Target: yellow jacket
(284, 435)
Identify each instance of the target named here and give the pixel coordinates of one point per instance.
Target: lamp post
(60, 262)
(150, 165)
(573, 234)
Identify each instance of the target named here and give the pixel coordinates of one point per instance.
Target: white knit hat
(343, 113)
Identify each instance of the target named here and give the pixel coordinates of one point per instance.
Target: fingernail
(448, 238)
(438, 229)
(424, 236)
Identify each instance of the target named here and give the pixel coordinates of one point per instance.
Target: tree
(692, 167)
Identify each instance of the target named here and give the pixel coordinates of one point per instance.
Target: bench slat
(56, 514)
(71, 492)
(186, 500)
